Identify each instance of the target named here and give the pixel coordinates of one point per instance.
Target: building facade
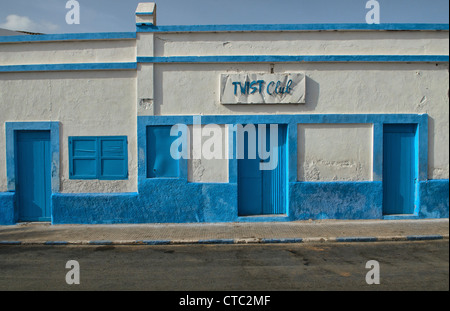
(225, 123)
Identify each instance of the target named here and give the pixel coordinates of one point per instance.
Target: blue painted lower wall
(7, 202)
(160, 200)
(167, 200)
(93, 208)
(434, 197)
(335, 200)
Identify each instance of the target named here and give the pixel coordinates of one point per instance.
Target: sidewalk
(229, 233)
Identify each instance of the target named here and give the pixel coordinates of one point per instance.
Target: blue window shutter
(82, 157)
(113, 157)
(98, 157)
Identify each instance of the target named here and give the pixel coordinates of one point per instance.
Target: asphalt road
(419, 265)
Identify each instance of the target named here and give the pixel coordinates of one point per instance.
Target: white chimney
(146, 13)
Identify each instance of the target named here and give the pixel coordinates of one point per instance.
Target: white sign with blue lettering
(255, 88)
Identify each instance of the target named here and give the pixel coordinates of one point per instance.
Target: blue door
(33, 175)
(399, 168)
(262, 192)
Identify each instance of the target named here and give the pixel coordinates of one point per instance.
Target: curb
(236, 241)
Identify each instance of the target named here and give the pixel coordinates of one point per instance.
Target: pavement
(226, 233)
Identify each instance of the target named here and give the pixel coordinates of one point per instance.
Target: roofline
(70, 37)
(294, 58)
(223, 28)
(291, 27)
(69, 67)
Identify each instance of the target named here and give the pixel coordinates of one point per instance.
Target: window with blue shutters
(103, 157)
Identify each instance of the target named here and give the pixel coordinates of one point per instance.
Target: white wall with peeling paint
(334, 152)
(203, 167)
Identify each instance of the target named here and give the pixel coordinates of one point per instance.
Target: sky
(49, 16)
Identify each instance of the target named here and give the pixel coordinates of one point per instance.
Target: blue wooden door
(33, 175)
(263, 192)
(249, 180)
(399, 169)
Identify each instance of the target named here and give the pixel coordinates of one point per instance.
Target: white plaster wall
(145, 97)
(88, 103)
(201, 169)
(62, 52)
(302, 43)
(186, 89)
(145, 44)
(334, 152)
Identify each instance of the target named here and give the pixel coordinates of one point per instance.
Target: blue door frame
(33, 175)
(400, 168)
(263, 192)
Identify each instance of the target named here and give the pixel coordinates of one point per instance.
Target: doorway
(33, 175)
(262, 191)
(399, 168)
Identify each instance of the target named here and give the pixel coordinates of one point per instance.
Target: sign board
(255, 88)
